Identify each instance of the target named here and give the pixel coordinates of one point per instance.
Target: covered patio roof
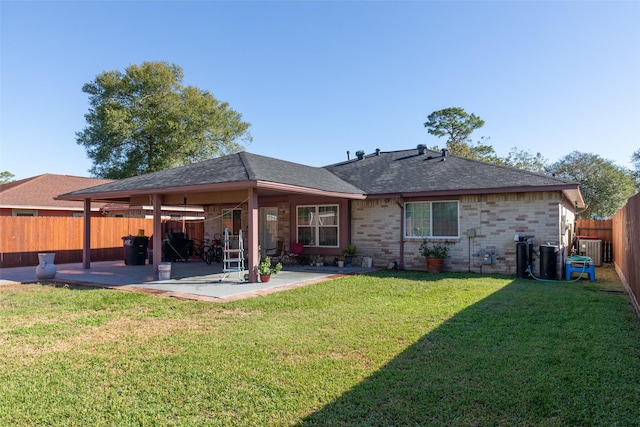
(234, 178)
(232, 173)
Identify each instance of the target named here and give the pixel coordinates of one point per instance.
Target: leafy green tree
(524, 159)
(453, 122)
(457, 125)
(635, 159)
(605, 186)
(6, 177)
(145, 120)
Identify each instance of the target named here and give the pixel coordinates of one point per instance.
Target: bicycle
(202, 250)
(208, 252)
(215, 250)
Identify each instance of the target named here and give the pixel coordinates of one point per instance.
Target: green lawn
(388, 349)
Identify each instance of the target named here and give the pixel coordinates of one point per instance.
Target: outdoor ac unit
(592, 249)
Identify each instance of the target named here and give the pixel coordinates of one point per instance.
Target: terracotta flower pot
(434, 265)
(264, 278)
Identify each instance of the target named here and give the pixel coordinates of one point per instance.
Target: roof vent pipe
(377, 151)
(444, 152)
(360, 154)
(348, 155)
(421, 148)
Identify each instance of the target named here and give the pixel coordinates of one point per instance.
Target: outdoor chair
(278, 253)
(295, 255)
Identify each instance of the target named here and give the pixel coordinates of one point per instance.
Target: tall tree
(524, 159)
(5, 177)
(605, 186)
(457, 125)
(453, 122)
(145, 120)
(635, 159)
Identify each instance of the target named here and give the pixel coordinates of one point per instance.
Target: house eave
(294, 189)
(164, 208)
(122, 196)
(571, 192)
(49, 208)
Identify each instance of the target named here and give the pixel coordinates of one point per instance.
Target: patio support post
(252, 237)
(157, 231)
(86, 238)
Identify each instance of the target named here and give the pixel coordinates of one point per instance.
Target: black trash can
(548, 262)
(135, 249)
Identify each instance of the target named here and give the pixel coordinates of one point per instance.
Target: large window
(431, 219)
(318, 225)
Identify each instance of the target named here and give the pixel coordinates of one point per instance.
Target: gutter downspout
(349, 219)
(156, 200)
(401, 267)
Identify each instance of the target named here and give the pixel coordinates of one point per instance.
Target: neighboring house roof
(39, 192)
(408, 172)
(380, 174)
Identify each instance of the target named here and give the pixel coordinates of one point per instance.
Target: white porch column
(86, 238)
(156, 199)
(252, 238)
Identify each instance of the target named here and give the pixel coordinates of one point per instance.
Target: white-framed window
(432, 219)
(232, 220)
(318, 225)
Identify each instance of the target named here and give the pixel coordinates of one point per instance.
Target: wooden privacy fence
(626, 244)
(595, 227)
(22, 238)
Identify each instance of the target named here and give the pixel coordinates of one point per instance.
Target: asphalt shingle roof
(392, 172)
(40, 190)
(407, 171)
(238, 167)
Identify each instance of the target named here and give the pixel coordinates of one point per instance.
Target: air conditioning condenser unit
(592, 249)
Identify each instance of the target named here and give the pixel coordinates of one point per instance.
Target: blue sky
(316, 79)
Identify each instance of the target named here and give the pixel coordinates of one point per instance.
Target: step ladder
(233, 259)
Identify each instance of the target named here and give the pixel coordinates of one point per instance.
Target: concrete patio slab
(194, 280)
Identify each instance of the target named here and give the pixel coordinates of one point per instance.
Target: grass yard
(388, 349)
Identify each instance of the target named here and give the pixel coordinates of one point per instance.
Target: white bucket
(164, 271)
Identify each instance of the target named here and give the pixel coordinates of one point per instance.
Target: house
(35, 196)
(385, 203)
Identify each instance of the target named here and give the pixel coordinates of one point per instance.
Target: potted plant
(435, 254)
(349, 252)
(265, 269)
